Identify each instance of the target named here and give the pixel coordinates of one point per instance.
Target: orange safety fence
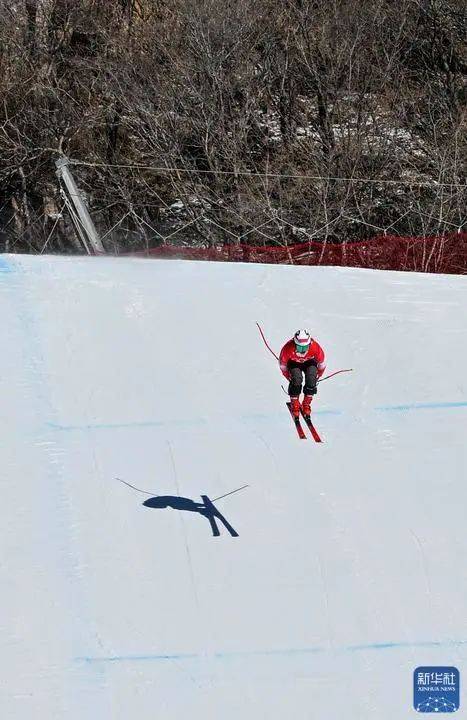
(435, 254)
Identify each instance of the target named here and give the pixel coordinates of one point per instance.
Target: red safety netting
(439, 254)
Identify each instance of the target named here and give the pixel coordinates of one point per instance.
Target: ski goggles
(301, 348)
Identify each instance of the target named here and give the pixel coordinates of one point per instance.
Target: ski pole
(335, 373)
(145, 492)
(266, 342)
(230, 493)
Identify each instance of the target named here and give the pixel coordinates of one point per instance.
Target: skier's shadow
(206, 508)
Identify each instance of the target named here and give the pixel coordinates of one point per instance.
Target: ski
(311, 427)
(300, 430)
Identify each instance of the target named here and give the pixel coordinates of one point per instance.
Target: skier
(302, 355)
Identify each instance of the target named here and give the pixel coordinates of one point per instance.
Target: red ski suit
(314, 352)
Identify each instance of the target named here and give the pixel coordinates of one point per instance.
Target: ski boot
(306, 406)
(295, 407)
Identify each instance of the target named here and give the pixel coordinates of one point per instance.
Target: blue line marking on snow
(391, 645)
(271, 653)
(187, 422)
(193, 422)
(130, 425)
(103, 426)
(421, 406)
(135, 658)
(195, 656)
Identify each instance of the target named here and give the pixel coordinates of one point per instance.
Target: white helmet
(302, 340)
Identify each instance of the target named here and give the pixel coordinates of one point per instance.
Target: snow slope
(349, 568)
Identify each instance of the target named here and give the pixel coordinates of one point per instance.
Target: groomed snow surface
(349, 569)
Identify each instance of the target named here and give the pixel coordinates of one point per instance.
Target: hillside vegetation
(196, 120)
